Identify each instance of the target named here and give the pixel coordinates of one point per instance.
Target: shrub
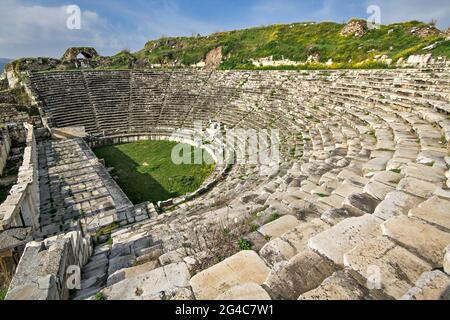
(245, 245)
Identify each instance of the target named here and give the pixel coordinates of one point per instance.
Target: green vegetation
(145, 170)
(245, 245)
(295, 42)
(274, 216)
(107, 230)
(100, 296)
(3, 292)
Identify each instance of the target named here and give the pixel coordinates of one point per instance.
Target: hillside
(325, 45)
(297, 42)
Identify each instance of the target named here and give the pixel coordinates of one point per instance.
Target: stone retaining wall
(5, 147)
(42, 273)
(21, 208)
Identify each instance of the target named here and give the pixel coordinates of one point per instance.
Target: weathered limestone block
(423, 172)
(279, 227)
(417, 187)
(244, 267)
(375, 165)
(435, 211)
(346, 189)
(121, 262)
(128, 273)
(359, 204)
(291, 243)
(398, 268)
(340, 286)
(276, 251)
(396, 203)
(150, 285)
(304, 272)
(433, 285)
(418, 237)
(378, 190)
(245, 292)
(336, 241)
(388, 178)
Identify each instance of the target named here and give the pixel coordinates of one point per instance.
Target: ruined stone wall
(42, 273)
(5, 147)
(21, 208)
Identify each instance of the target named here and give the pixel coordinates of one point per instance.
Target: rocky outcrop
(213, 59)
(355, 28)
(72, 53)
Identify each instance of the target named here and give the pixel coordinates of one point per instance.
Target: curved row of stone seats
(148, 94)
(143, 268)
(359, 172)
(65, 97)
(109, 94)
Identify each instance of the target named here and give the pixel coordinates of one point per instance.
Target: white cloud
(34, 30)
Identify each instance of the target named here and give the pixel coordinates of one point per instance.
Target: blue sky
(38, 27)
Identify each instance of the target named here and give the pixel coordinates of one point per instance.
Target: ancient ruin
(356, 209)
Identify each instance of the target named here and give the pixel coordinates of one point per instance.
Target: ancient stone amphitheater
(359, 207)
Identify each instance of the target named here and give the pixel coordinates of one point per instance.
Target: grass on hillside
(295, 42)
(145, 171)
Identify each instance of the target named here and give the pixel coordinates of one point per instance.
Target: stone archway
(85, 53)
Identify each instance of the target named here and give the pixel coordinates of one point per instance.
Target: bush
(245, 245)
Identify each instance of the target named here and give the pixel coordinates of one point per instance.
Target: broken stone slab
(340, 286)
(434, 285)
(359, 204)
(121, 262)
(435, 211)
(245, 292)
(416, 187)
(375, 165)
(384, 267)
(304, 272)
(378, 190)
(327, 203)
(346, 189)
(244, 267)
(276, 251)
(291, 243)
(388, 178)
(128, 273)
(334, 216)
(423, 172)
(150, 285)
(279, 227)
(396, 203)
(336, 241)
(422, 239)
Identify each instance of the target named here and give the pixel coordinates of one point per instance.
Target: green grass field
(146, 172)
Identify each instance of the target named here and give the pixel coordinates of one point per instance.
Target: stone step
(386, 268)
(168, 282)
(291, 243)
(304, 272)
(434, 211)
(433, 285)
(336, 241)
(243, 268)
(279, 227)
(421, 238)
(340, 286)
